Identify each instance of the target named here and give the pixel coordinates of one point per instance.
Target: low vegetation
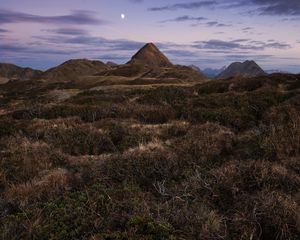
(219, 160)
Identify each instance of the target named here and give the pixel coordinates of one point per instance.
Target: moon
(123, 16)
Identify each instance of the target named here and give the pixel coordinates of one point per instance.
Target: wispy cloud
(259, 7)
(189, 5)
(3, 30)
(196, 21)
(243, 44)
(277, 7)
(76, 17)
(217, 24)
(19, 48)
(67, 31)
(184, 18)
(247, 28)
(265, 7)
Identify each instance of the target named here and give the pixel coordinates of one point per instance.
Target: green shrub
(165, 95)
(80, 140)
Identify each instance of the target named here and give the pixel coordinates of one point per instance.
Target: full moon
(123, 16)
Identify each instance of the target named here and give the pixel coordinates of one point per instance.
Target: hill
(245, 69)
(11, 71)
(74, 69)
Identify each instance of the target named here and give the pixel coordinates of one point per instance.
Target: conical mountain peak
(150, 55)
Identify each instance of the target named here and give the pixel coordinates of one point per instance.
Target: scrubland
(218, 160)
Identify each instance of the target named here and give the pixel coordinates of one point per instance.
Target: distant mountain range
(211, 72)
(148, 63)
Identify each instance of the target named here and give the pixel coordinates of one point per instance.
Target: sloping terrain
(245, 69)
(216, 160)
(72, 70)
(11, 71)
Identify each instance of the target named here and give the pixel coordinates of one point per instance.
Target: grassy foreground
(220, 160)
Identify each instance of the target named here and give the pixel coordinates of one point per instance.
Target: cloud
(181, 53)
(76, 17)
(265, 7)
(3, 30)
(12, 48)
(227, 45)
(240, 40)
(189, 5)
(248, 56)
(258, 7)
(277, 7)
(277, 45)
(184, 18)
(67, 31)
(217, 24)
(113, 45)
(247, 28)
(196, 21)
(19, 48)
(239, 44)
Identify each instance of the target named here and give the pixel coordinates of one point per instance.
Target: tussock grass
(219, 160)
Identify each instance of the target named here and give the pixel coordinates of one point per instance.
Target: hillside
(215, 160)
(245, 69)
(11, 71)
(73, 69)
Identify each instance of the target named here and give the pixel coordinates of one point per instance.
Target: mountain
(211, 72)
(150, 64)
(11, 71)
(195, 68)
(73, 69)
(245, 69)
(111, 64)
(150, 55)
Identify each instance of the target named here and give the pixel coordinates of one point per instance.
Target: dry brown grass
(283, 137)
(206, 143)
(42, 188)
(24, 159)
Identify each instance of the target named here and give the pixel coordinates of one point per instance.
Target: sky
(205, 33)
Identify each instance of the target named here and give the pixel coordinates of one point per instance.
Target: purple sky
(207, 33)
